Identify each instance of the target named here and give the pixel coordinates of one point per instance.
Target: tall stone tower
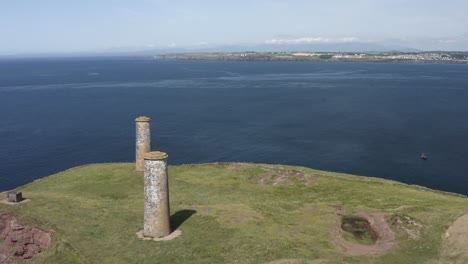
(157, 211)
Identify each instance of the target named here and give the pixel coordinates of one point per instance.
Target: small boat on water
(424, 156)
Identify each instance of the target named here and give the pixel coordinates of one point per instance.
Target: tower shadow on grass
(178, 218)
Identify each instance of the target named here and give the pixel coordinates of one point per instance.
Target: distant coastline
(413, 57)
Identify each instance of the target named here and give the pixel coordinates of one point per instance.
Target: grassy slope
(95, 210)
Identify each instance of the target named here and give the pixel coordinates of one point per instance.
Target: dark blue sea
(372, 119)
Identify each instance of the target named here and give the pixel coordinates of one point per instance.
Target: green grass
(94, 212)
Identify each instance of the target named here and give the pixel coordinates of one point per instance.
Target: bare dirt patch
(384, 240)
(406, 225)
(19, 241)
(285, 177)
(455, 242)
(5, 201)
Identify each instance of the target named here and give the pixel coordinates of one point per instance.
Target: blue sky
(34, 26)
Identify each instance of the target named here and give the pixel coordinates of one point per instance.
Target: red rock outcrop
(20, 241)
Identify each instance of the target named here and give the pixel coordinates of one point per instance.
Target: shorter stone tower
(143, 141)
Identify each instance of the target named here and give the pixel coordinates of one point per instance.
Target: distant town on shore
(419, 57)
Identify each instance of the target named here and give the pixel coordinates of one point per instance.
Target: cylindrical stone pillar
(157, 212)
(143, 141)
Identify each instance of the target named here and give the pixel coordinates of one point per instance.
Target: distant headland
(415, 57)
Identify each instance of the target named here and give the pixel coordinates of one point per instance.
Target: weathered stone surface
(20, 241)
(157, 211)
(143, 119)
(14, 197)
(31, 251)
(175, 234)
(143, 141)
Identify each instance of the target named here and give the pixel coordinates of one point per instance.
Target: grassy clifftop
(238, 213)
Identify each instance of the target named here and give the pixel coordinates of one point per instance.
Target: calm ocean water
(372, 119)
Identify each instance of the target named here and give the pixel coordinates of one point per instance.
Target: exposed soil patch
(274, 176)
(371, 225)
(19, 241)
(455, 242)
(406, 225)
(5, 201)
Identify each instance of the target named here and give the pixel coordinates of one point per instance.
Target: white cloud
(306, 40)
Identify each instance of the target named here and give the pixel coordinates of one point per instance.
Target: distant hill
(308, 47)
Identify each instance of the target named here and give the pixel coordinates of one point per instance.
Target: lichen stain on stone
(143, 144)
(157, 211)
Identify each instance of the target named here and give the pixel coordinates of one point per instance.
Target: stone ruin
(14, 197)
